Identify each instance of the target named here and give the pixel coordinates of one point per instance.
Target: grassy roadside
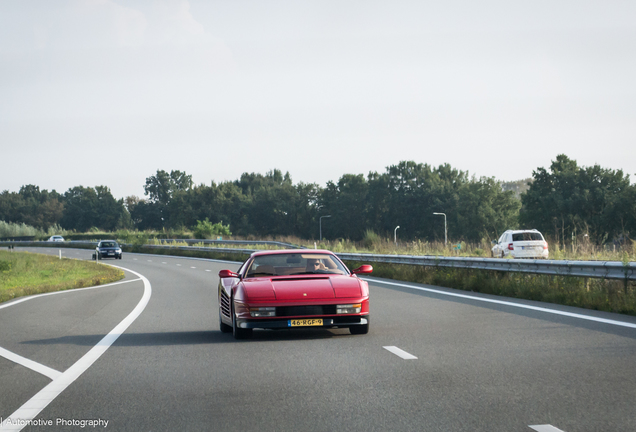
(24, 273)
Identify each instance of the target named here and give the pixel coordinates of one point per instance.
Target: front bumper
(328, 322)
(109, 254)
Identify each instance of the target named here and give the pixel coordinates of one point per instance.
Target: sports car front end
(294, 296)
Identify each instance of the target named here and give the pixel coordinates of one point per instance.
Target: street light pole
(321, 225)
(445, 230)
(395, 235)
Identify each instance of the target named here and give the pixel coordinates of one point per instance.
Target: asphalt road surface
(147, 355)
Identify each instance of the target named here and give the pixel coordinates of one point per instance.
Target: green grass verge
(24, 273)
(589, 293)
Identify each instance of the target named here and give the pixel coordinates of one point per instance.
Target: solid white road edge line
(545, 428)
(518, 305)
(23, 361)
(400, 353)
(37, 403)
(23, 299)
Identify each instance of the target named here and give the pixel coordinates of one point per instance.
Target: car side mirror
(228, 274)
(363, 269)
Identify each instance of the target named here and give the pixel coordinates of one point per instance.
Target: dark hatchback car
(107, 249)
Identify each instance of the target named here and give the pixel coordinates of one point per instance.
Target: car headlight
(348, 308)
(263, 311)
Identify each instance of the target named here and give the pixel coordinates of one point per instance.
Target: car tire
(237, 332)
(361, 329)
(222, 326)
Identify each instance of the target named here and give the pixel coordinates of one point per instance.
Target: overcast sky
(106, 92)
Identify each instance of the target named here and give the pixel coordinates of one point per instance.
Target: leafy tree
(517, 186)
(87, 207)
(346, 202)
(568, 200)
(146, 215)
(32, 206)
(486, 210)
(161, 187)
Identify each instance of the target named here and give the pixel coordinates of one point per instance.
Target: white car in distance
(56, 238)
(521, 244)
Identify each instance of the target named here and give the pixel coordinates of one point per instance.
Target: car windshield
(294, 264)
(526, 236)
(108, 244)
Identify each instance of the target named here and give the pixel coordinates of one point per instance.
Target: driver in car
(314, 265)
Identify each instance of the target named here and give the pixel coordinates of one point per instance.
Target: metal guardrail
(188, 241)
(595, 269)
(200, 249)
(64, 244)
(238, 242)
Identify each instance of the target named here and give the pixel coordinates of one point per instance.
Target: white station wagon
(521, 244)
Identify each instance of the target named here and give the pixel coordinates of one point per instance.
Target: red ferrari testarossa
(281, 289)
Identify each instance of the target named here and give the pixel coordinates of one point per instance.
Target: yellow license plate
(305, 322)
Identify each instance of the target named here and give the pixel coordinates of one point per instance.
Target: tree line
(561, 201)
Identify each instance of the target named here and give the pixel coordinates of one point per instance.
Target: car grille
(283, 311)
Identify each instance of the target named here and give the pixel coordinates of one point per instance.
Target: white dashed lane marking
(400, 353)
(545, 428)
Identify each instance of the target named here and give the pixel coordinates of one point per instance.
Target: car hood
(302, 288)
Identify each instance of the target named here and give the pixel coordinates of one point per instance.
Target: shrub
(10, 229)
(371, 240)
(5, 266)
(206, 229)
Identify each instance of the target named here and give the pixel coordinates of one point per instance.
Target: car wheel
(361, 329)
(224, 327)
(237, 332)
